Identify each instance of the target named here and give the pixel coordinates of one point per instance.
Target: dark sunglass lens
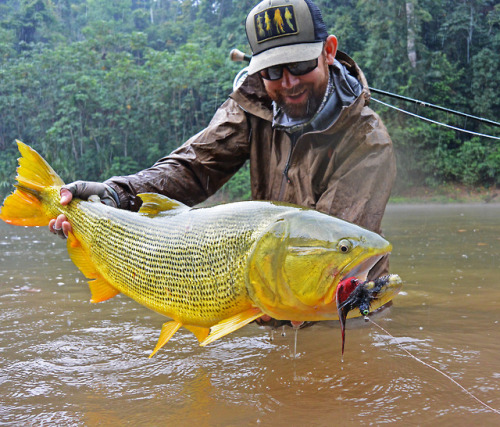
(297, 69)
(274, 73)
(304, 67)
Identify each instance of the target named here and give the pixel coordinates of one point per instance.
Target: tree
(104, 87)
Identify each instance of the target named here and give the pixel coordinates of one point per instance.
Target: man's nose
(288, 80)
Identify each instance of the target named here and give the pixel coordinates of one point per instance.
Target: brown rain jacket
(346, 170)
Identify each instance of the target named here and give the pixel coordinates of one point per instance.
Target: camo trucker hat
(284, 31)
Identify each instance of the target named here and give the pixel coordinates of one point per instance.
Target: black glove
(84, 189)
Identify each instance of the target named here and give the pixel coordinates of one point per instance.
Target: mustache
(296, 90)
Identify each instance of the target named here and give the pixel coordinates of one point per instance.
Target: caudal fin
(34, 174)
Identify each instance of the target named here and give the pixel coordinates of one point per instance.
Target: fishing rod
(238, 56)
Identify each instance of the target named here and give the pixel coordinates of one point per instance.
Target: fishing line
(433, 367)
(434, 121)
(436, 107)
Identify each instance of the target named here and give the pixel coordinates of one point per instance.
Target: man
(300, 117)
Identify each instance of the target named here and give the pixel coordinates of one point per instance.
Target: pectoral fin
(231, 324)
(167, 331)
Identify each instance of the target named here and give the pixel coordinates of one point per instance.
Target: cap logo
(275, 22)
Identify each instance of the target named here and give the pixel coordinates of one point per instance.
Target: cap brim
(284, 55)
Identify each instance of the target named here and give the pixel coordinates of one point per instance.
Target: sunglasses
(296, 68)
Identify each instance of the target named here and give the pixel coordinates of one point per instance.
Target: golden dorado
(211, 270)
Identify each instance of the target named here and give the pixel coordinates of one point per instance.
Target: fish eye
(344, 246)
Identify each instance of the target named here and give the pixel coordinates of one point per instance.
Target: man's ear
(330, 49)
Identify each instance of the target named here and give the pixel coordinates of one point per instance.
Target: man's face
(299, 96)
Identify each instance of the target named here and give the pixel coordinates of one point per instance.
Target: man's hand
(83, 190)
(60, 225)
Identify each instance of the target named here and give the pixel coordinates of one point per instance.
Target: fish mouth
(360, 271)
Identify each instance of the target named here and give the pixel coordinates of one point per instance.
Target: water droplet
(296, 330)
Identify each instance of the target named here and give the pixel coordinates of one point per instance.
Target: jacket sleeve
(198, 168)
(365, 170)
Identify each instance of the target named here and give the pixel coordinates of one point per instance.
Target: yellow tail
(34, 175)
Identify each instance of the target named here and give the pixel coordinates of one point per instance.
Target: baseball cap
(283, 31)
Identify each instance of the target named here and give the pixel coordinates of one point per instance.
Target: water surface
(66, 361)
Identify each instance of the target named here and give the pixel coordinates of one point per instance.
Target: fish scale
(196, 276)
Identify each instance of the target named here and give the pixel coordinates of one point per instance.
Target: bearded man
(301, 118)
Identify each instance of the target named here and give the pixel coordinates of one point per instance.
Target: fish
(211, 270)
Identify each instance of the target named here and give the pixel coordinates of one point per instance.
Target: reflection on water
(66, 361)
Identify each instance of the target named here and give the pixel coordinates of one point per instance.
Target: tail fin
(24, 206)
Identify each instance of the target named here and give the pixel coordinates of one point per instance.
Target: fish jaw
(360, 271)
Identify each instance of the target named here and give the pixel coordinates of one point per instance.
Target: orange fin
(231, 324)
(199, 331)
(80, 257)
(167, 331)
(34, 175)
(33, 171)
(100, 288)
(156, 204)
(23, 208)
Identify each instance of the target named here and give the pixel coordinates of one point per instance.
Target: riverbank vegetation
(103, 87)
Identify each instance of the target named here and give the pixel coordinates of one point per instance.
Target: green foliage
(7, 171)
(104, 88)
(471, 163)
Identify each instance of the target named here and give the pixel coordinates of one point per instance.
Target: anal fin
(167, 331)
(200, 332)
(231, 324)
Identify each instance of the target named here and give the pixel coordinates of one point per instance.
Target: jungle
(104, 88)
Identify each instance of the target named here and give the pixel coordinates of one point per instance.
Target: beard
(305, 109)
(308, 92)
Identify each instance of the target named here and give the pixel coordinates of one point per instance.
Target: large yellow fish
(211, 270)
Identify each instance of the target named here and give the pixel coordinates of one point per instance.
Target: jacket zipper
(286, 180)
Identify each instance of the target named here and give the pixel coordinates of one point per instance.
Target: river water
(65, 361)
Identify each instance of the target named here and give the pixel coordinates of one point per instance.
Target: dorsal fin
(154, 204)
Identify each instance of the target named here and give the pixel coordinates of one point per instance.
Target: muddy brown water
(64, 361)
